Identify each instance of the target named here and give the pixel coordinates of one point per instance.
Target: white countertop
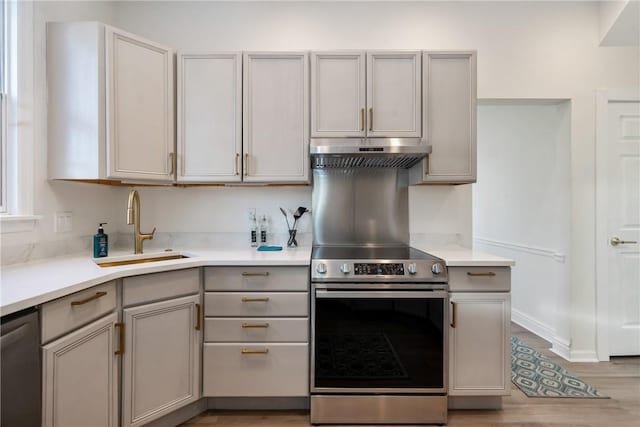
(33, 283)
(29, 284)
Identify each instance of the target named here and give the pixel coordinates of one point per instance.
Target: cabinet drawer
(256, 279)
(258, 304)
(159, 286)
(252, 370)
(75, 310)
(479, 279)
(254, 329)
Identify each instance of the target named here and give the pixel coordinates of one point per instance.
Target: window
(3, 107)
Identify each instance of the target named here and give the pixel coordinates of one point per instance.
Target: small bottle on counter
(253, 226)
(100, 243)
(264, 230)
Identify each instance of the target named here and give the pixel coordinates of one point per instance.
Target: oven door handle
(321, 293)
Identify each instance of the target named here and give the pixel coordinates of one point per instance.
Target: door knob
(615, 241)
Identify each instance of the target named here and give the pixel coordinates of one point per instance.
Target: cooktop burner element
(389, 264)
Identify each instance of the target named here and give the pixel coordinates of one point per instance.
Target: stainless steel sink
(154, 258)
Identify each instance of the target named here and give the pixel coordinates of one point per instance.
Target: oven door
(372, 341)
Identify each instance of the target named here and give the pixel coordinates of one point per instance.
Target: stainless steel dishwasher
(20, 369)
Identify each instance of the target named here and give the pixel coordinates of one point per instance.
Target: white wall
(522, 208)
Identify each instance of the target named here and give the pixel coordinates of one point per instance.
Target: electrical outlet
(63, 222)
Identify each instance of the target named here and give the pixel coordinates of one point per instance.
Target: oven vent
(348, 153)
(328, 161)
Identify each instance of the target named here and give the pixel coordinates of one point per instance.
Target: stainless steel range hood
(342, 153)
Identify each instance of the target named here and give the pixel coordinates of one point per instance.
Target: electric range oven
(379, 341)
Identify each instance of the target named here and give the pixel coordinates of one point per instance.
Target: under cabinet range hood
(341, 153)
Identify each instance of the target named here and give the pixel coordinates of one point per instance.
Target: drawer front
(68, 313)
(256, 304)
(159, 286)
(256, 279)
(254, 329)
(479, 279)
(267, 370)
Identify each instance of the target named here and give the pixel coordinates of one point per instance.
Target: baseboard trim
(533, 325)
(181, 415)
(583, 356)
(548, 253)
(561, 347)
(475, 402)
(258, 403)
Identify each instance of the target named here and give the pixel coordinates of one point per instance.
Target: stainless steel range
(378, 306)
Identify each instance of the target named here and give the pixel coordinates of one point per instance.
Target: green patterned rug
(537, 376)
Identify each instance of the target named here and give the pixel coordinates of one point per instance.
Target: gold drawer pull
(245, 299)
(362, 120)
(198, 317)
(370, 119)
(91, 298)
(255, 274)
(254, 351)
(453, 314)
(120, 327)
(255, 325)
(487, 274)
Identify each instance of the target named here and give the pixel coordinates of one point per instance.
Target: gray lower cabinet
(161, 363)
(256, 332)
(479, 331)
(80, 377)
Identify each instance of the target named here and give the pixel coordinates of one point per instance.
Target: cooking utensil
(298, 214)
(286, 218)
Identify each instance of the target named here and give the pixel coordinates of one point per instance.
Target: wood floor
(619, 379)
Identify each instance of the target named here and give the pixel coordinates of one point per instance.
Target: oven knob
(321, 268)
(345, 268)
(436, 268)
(411, 268)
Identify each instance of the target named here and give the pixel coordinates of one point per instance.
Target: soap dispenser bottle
(264, 230)
(254, 229)
(100, 243)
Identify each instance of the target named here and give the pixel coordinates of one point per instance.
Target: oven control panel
(376, 269)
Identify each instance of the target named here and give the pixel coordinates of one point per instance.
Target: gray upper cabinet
(110, 104)
(358, 94)
(209, 117)
(449, 80)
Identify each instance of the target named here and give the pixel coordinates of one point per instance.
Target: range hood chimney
(341, 153)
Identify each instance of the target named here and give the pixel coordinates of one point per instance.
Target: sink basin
(139, 260)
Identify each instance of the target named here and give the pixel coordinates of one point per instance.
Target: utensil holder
(292, 243)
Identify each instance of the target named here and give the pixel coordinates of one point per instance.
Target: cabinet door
(338, 91)
(450, 116)
(161, 360)
(393, 94)
(276, 117)
(209, 117)
(80, 377)
(139, 97)
(479, 350)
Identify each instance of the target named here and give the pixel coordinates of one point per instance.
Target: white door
(209, 117)
(276, 117)
(80, 377)
(479, 344)
(394, 106)
(623, 148)
(338, 94)
(161, 367)
(139, 95)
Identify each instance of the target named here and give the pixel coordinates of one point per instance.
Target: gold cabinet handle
(254, 274)
(254, 351)
(198, 316)
(487, 274)
(171, 163)
(86, 300)
(615, 241)
(362, 120)
(245, 299)
(246, 164)
(371, 118)
(120, 327)
(453, 314)
(237, 170)
(255, 325)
